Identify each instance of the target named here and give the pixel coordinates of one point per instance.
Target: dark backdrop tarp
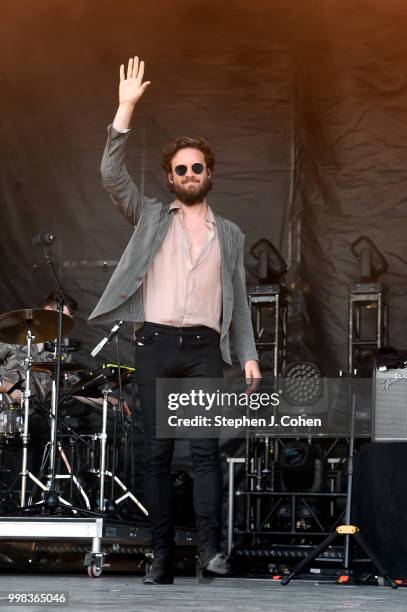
(305, 103)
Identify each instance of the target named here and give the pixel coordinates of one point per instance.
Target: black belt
(179, 331)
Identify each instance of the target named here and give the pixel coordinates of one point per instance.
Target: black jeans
(164, 351)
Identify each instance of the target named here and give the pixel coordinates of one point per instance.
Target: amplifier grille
(390, 406)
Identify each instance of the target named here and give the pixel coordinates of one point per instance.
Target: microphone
(107, 338)
(44, 238)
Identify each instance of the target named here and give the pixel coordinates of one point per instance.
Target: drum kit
(60, 480)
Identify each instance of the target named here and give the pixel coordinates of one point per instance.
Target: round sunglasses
(181, 169)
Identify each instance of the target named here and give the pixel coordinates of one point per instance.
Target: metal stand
(261, 453)
(103, 437)
(51, 498)
(271, 297)
(121, 407)
(232, 461)
(364, 297)
(74, 480)
(347, 529)
(103, 503)
(52, 501)
(27, 393)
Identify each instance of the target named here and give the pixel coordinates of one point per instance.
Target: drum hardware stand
(61, 502)
(52, 461)
(127, 494)
(109, 505)
(106, 505)
(347, 529)
(124, 441)
(71, 464)
(17, 327)
(51, 501)
(74, 438)
(112, 475)
(107, 390)
(121, 403)
(133, 427)
(27, 393)
(61, 499)
(102, 437)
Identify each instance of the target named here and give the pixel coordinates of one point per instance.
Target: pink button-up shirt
(178, 290)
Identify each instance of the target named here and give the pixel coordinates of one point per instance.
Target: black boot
(210, 563)
(162, 569)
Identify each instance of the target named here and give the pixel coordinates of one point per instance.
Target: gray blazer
(122, 298)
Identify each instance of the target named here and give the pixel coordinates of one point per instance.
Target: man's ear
(170, 177)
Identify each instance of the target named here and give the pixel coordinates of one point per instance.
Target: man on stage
(181, 280)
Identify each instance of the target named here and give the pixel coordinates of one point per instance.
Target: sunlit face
(191, 188)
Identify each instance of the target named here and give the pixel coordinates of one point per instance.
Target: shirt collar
(210, 217)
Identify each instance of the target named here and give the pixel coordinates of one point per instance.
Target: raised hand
(131, 86)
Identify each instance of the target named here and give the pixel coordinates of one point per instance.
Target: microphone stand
(51, 501)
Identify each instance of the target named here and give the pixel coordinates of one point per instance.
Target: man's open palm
(131, 84)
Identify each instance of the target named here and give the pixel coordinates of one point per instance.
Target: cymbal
(48, 367)
(43, 324)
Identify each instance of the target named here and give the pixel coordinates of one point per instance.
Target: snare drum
(11, 421)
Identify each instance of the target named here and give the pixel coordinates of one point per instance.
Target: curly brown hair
(187, 143)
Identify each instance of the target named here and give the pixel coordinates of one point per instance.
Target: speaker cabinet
(390, 405)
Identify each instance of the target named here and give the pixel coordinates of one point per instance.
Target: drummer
(12, 358)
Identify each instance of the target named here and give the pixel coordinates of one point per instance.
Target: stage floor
(125, 593)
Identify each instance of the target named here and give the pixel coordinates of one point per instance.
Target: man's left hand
(252, 375)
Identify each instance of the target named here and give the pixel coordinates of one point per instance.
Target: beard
(189, 196)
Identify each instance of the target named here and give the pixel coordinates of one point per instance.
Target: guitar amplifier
(389, 418)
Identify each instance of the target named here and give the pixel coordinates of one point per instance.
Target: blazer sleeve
(116, 180)
(241, 329)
